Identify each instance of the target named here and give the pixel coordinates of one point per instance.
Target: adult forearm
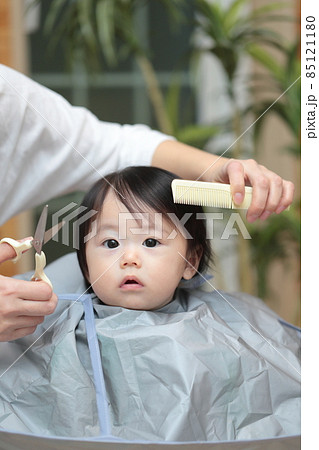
(186, 161)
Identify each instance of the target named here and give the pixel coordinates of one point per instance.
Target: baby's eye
(150, 242)
(111, 243)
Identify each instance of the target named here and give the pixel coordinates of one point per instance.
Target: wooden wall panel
(12, 53)
(5, 33)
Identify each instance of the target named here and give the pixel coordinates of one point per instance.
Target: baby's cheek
(99, 290)
(167, 279)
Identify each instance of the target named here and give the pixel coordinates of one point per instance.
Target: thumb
(7, 252)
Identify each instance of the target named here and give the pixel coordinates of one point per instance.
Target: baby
(147, 355)
(140, 250)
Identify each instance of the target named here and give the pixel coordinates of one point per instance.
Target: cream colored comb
(202, 193)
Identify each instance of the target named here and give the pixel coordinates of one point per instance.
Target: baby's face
(132, 263)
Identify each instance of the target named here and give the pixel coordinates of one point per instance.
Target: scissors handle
(40, 262)
(19, 247)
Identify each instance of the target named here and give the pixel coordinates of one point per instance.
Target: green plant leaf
(53, 14)
(269, 242)
(266, 59)
(172, 102)
(233, 14)
(211, 20)
(105, 21)
(197, 134)
(85, 23)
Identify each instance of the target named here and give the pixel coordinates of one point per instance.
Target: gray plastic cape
(207, 367)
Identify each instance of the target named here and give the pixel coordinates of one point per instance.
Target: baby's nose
(130, 258)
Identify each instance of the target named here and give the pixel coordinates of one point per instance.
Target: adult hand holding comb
(270, 193)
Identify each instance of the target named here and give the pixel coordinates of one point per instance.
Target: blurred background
(219, 75)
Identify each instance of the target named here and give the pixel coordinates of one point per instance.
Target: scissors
(41, 237)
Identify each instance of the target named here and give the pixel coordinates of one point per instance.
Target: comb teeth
(201, 193)
(202, 197)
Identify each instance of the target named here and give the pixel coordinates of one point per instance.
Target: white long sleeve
(48, 147)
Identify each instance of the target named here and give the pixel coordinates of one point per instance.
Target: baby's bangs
(139, 193)
(109, 184)
(100, 195)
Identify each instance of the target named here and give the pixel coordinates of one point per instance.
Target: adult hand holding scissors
(24, 304)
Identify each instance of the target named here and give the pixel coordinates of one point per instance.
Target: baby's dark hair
(141, 189)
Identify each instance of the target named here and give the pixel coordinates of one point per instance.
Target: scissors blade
(51, 232)
(40, 230)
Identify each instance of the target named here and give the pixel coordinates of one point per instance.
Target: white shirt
(49, 147)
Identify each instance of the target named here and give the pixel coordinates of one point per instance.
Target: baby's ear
(193, 260)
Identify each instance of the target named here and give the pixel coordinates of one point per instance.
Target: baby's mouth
(131, 283)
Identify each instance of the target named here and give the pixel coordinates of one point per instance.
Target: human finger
(280, 195)
(13, 307)
(27, 321)
(287, 196)
(236, 176)
(18, 322)
(28, 290)
(274, 196)
(10, 324)
(7, 251)
(261, 186)
(13, 326)
(38, 308)
(17, 333)
(250, 173)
